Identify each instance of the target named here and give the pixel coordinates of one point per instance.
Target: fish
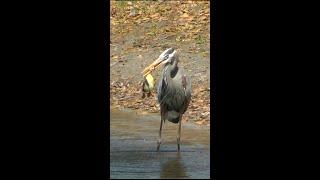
(147, 85)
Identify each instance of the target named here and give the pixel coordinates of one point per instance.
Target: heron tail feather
(173, 116)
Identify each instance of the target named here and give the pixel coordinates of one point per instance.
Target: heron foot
(178, 143)
(159, 142)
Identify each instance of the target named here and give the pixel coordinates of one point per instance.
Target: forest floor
(139, 32)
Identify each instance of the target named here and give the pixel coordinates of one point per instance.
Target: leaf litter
(141, 27)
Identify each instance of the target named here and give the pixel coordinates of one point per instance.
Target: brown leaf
(156, 15)
(184, 15)
(163, 19)
(200, 122)
(203, 18)
(114, 57)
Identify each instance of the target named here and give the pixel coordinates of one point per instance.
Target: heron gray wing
(184, 87)
(186, 82)
(174, 94)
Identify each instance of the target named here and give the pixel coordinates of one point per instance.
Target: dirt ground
(140, 32)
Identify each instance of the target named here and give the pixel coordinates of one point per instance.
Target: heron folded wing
(184, 83)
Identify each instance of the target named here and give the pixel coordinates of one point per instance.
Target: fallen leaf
(184, 15)
(200, 122)
(155, 15)
(203, 18)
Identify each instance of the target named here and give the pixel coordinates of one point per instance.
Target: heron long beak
(157, 63)
(152, 66)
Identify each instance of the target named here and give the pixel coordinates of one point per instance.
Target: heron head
(169, 56)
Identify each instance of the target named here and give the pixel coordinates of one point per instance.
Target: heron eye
(166, 57)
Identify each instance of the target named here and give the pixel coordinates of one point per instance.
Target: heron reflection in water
(173, 168)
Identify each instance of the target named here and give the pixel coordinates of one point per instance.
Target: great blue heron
(174, 90)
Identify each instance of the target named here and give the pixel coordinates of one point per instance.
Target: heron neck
(171, 70)
(174, 71)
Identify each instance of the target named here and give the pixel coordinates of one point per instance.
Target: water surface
(133, 148)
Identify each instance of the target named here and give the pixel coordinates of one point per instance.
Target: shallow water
(133, 148)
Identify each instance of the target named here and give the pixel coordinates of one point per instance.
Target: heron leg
(179, 132)
(159, 140)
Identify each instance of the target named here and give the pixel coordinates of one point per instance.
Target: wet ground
(133, 154)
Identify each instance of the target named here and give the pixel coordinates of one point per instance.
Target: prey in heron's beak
(162, 59)
(147, 85)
